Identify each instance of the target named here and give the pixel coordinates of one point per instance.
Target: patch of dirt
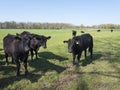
(67, 79)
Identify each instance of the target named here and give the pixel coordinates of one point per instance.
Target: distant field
(54, 71)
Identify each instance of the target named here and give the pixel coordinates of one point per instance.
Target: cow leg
(36, 54)
(13, 61)
(32, 54)
(18, 67)
(78, 57)
(25, 66)
(91, 51)
(85, 53)
(74, 56)
(6, 56)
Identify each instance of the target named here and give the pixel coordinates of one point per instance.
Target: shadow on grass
(108, 74)
(5, 70)
(40, 65)
(2, 56)
(50, 55)
(1, 49)
(88, 60)
(4, 82)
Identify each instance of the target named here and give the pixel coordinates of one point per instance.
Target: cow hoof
(18, 76)
(77, 65)
(74, 63)
(26, 73)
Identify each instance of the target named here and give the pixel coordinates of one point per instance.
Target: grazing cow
(74, 33)
(98, 30)
(36, 42)
(82, 32)
(18, 48)
(78, 44)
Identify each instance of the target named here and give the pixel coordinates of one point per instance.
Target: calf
(78, 44)
(16, 47)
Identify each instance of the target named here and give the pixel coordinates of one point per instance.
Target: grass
(54, 71)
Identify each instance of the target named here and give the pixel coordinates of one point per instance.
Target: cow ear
(65, 41)
(48, 37)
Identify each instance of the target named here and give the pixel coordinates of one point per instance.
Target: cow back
(84, 41)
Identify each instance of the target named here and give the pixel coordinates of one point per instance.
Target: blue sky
(77, 12)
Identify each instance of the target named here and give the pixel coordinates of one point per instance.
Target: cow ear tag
(77, 42)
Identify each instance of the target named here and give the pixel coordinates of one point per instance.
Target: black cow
(36, 42)
(74, 33)
(26, 34)
(6, 43)
(82, 31)
(98, 30)
(111, 30)
(78, 44)
(18, 48)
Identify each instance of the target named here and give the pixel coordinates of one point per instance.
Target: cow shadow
(88, 60)
(39, 68)
(51, 55)
(43, 62)
(2, 56)
(4, 82)
(1, 49)
(5, 70)
(113, 74)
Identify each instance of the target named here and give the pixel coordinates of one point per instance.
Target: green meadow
(54, 70)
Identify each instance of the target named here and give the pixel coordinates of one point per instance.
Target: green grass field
(54, 71)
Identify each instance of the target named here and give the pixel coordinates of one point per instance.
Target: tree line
(37, 25)
(31, 25)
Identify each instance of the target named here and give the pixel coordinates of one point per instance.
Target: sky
(76, 12)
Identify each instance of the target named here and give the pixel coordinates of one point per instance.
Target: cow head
(41, 40)
(71, 44)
